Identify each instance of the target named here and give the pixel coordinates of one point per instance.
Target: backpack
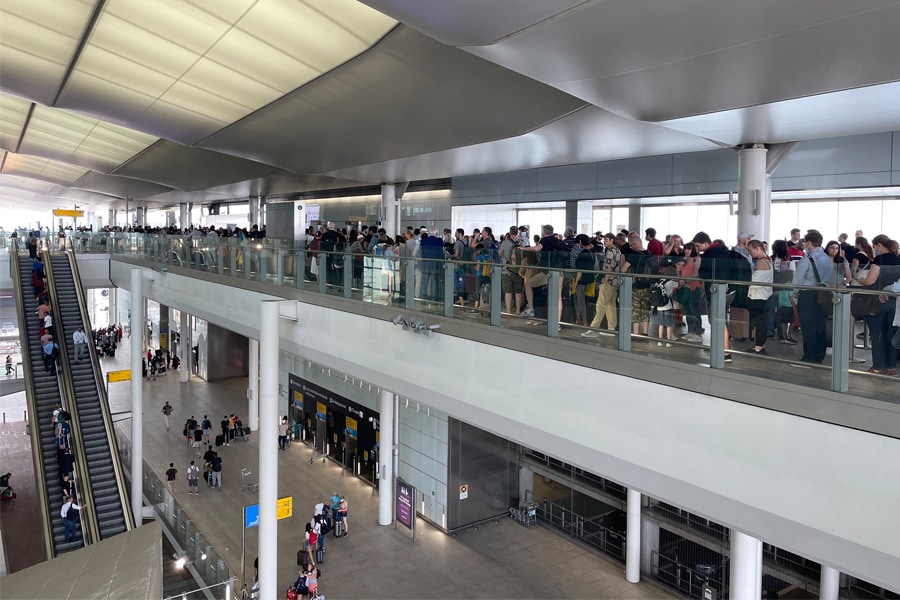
(217, 464)
(658, 295)
(63, 415)
(64, 428)
(72, 515)
(206, 424)
(740, 270)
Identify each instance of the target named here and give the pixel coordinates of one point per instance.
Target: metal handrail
(104, 400)
(36, 447)
(90, 524)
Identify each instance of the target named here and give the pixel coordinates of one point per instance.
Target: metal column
(137, 395)
(386, 419)
(829, 583)
(633, 537)
(268, 451)
(746, 566)
(253, 386)
(185, 345)
(754, 197)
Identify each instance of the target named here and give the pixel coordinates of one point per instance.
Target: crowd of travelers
(668, 304)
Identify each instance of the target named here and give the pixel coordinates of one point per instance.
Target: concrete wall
(826, 492)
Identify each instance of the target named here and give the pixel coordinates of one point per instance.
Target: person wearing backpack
(70, 513)
(193, 479)
(216, 476)
(51, 355)
(665, 308)
(715, 263)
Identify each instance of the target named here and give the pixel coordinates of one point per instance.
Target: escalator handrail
(108, 424)
(37, 450)
(90, 525)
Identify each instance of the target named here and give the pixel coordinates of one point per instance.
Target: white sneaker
(660, 344)
(668, 345)
(693, 337)
(590, 333)
(527, 313)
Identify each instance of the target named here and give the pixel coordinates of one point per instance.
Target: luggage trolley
(526, 514)
(246, 484)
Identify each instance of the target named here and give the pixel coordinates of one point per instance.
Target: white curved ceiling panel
(13, 113)
(37, 42)
(851, 112)
(472, 22)
(41, 168)
(587, 135)
(169, 77)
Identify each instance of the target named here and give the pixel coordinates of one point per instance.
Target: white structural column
(754, 193)
(184, 347)
(253, 388)
(386, 419)
(268, 450)
(746, 566)
(253, 215)
(633, 536)
(829, 584)
(137, 393)
(183, 215)
(390, 209)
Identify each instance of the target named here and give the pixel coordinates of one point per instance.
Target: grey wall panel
(838, 180)
(486, 465)
(696, 167)
(280, 220)
(895, 151)
(851, 154)
(227, 353)
(635, 172)
(568, 177)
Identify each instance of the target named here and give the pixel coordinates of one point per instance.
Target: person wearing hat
(741, 247)
(608, 290)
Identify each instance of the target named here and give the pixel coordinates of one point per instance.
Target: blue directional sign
(251, 515)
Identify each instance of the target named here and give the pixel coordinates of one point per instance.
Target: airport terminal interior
(506, 299)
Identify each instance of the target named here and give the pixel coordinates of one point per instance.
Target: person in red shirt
(654, 246)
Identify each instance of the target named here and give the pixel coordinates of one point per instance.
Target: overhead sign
(114, 376)
(284, 509)
(67, 213)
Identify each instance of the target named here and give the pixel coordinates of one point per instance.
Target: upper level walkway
(842, 391)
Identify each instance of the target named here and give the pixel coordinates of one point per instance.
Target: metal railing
(433, 285)
(207, 565)
(589, 530)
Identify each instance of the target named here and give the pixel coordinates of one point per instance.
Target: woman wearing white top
(759, 294)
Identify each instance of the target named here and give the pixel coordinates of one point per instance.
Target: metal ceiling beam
(82, 43)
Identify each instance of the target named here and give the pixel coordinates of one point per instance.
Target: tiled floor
(497, 560)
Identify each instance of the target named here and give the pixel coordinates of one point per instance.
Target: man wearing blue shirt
(812, 317)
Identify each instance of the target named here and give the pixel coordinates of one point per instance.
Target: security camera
(434, 327)
(299, 207)
(398, 320)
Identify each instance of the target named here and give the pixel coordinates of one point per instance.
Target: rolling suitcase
(320, 555)
(220, 440)
(739, 323)
(302, 557)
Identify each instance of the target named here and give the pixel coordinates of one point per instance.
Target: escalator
(43, 392)
(109, 495)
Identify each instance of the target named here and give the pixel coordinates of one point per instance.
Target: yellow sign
(67, 213)
(285, 507)
(114, 376)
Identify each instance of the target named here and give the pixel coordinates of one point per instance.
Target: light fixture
(415, 325)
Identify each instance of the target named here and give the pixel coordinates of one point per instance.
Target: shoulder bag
(824, 298)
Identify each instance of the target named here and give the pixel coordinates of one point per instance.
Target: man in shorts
(193, 477)
(171, 472)
(511, 282)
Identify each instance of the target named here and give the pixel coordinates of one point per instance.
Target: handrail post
(448, 271)
(300, 269)
(717, 313)
(409, 292)
(322, 276)
(496, 294)
(624, 334)
(841, 337)
(554, 297)
(279, 266)
(263, 270)
(348, 274)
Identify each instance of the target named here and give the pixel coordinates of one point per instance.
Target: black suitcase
(320, 555)
(220, 440)
(302, 557)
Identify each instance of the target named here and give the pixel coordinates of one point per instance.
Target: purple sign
(405, 498)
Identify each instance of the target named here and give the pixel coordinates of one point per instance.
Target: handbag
(864, 305)
(824, 298)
